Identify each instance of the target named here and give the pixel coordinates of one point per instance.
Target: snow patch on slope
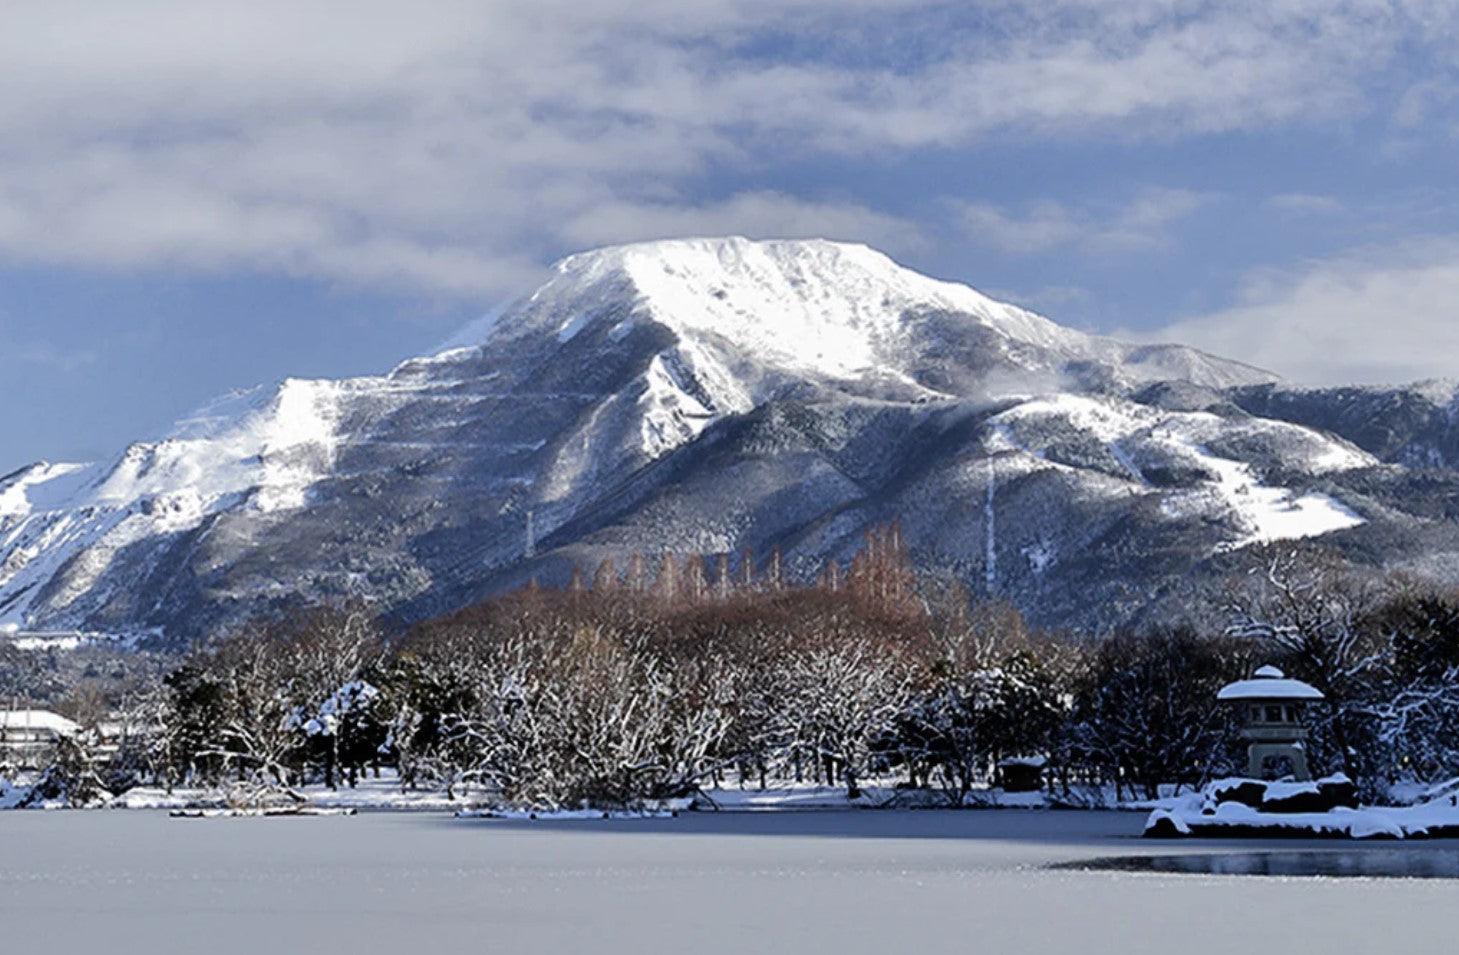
(40, 486)
(275, 444)
(1273, 513)
(1261, 513)
(671, 415)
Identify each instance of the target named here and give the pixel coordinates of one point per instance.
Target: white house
(26, 735)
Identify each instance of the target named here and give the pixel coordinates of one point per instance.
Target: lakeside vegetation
(635, 686)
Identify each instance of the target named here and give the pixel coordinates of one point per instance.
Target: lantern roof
(1269, 683)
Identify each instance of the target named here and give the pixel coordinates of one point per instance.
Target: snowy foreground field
(843, 882)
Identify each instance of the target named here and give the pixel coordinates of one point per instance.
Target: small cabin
(1021, 774)
(1271, 709)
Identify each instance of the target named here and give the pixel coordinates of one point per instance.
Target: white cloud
(1377, 316)
(453, 145)
(1140, 224)
(1423, 100)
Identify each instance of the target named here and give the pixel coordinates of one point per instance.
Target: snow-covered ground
(850, 883)
(1440, 818)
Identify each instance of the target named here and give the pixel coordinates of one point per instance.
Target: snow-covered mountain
(707, 396)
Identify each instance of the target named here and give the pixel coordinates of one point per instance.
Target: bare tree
(831, 704)
(666, 586)
(605, 578)
(696, 581)
(722, 578)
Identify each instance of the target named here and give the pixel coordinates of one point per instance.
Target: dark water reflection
(1377, 863)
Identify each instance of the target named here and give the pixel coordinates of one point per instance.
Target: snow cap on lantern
(1269, 683)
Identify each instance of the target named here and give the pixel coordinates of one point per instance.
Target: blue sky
(196, 197)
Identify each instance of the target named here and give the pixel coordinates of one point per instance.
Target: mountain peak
(828, 310)
(812, 305)
(815, 305)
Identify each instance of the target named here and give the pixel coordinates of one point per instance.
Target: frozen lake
(792, 882)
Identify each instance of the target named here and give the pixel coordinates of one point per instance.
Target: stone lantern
(1270, 708)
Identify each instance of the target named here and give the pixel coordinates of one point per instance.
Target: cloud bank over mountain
(453, 146)
(1383, 316)
(223, 193)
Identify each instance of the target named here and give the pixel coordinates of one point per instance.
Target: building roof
(1032, 762)
(37, 720)
(1269, 683)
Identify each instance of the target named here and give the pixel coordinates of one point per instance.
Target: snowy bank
(383, 794)
(1246, 808)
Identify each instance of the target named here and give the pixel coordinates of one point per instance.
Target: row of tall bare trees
(879, 577)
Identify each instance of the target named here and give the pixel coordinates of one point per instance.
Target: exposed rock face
(716, 396)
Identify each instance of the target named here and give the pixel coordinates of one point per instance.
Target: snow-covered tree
(830, 705)
(70, 776)
(1148, 714)
(329, 655)
(967, 720)
(1312, 612)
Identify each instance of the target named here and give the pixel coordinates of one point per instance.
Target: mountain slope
(1416, 425)
(707, 396)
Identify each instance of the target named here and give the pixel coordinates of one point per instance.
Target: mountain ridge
(594, 402)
